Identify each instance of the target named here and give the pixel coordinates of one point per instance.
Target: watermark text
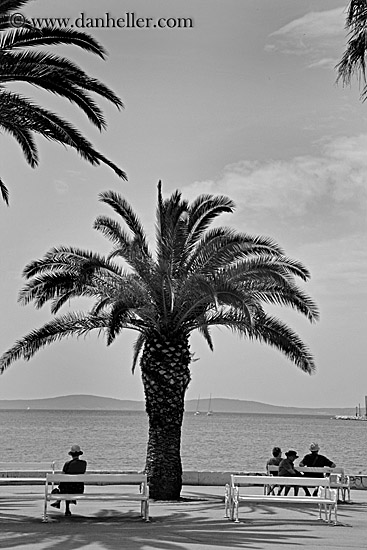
(129, 20)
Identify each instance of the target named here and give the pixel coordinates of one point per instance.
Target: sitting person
(287, 469)
(315, 460)
(275, 460)
(74, 466)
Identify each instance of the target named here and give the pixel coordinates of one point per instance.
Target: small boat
(197, 412)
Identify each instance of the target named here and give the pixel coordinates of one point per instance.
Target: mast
(197, 412)
(210, 412)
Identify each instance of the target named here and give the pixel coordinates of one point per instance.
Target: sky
(245, 103)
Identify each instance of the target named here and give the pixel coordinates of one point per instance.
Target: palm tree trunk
(166, 376)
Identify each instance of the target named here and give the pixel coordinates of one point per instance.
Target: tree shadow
(175, 526)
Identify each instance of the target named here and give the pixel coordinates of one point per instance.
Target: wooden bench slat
(128, 479)
(280, 480)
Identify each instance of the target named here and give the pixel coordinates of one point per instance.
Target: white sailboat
(210, 412)
(197, 412)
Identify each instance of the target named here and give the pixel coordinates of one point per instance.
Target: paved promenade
(196, 523)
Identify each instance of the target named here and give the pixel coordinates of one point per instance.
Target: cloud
(327, 190)
(316, 34)
(313, 205)
(326, 62)
(61, 187)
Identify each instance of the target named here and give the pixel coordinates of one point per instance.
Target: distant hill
(94, 402)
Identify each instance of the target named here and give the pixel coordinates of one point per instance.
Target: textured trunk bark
(166, 376)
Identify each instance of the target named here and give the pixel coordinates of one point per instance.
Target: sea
(116, 440)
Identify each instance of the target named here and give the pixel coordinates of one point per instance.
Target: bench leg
(322, 510)
(235, 506)
(227, 501)
(146, 511)
(45, 516)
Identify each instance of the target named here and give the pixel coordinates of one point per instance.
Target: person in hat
(74, 466)
(315, 460)
(287, 469)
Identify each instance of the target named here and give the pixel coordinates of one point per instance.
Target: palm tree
(22, 118)
(353, 61)
(199, 277)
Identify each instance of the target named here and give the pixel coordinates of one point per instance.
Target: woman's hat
(314, 447)
(75, 450)
(292, 453)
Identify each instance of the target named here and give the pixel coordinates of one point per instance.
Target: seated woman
(74, 466)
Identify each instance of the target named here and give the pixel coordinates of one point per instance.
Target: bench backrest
(305, 469)
(26, 469)
(48, 466)
(118, 479)
(242, 481)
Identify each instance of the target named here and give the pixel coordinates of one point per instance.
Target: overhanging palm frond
(45, 36)
(54, 74)
(59, 76)
(11, 122)
(7, 6)
(356, 15)
(17, 112)
(353, 61)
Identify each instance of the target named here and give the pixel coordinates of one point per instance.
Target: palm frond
(123, 209)
(223, 247)
(12, 124)
(57, 75)
(137, 348)
(202, 213)
(71, 324)
(70, 257)
(8, 6)
(4, 192)
(204, 331)
(114, 232)
(353, 61)
(273, 332)
(19, 111)
(29, 37)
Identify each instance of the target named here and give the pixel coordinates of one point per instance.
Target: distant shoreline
(218, 405)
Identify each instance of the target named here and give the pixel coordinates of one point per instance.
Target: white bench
(326, 499)
(100, 479)
(25, 473)
(338, 479)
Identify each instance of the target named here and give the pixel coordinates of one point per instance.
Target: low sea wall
(194, 477)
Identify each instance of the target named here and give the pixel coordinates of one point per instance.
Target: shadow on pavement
(176, 526)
